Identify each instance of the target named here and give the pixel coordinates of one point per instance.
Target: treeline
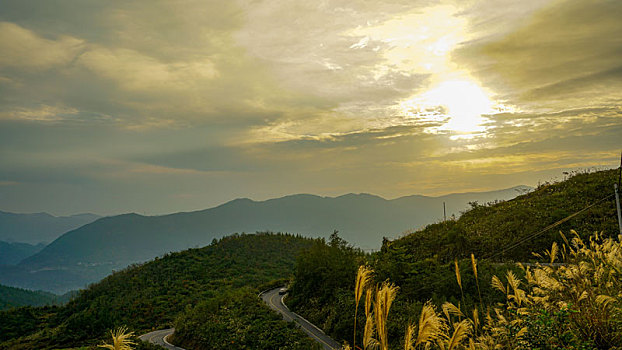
(154, 294)
(15, 297)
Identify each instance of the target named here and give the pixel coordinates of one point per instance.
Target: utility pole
(616, 187)
(445, 213)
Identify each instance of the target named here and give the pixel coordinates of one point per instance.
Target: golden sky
(162, 106)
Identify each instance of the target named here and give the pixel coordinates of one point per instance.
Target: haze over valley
(88, 253)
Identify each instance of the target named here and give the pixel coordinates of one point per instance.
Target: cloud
(117, 105)
(23, 49)
(43, 113)
(566, 54)
(137, 72)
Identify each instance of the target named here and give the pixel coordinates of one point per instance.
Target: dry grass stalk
(408, 338)
(431, 327)
(384, 298)
(462, 331)
(363, 278)
(120, 340)
(474, 266)
(368, 334)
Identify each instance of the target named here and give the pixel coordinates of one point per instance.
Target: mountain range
(39, 227)
(12, 253)
(89, 253)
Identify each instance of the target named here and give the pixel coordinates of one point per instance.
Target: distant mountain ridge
(86, 254)
(13, 253)
(39, 227)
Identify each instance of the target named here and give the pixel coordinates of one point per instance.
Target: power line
(533, 235)
(555, 224)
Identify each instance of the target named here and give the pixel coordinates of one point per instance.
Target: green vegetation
(15, 297)
(238, 320)
(153, 294)
(574, 305)
(424, 263)
(485, 229)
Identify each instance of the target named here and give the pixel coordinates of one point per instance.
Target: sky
(163, 106)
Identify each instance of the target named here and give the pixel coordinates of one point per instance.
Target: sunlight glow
(417, 42)
(465, 102)
(459, 104)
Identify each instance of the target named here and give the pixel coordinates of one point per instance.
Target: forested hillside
(154, 294)
(423, 263)
(15, 297)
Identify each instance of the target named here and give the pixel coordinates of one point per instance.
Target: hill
(15, 297)
(13, 253)
(155, 293)
(488, 230)
(422, 263)
(92, 251)
(39, 227)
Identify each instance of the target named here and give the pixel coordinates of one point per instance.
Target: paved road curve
(159, 337)
(275, 302)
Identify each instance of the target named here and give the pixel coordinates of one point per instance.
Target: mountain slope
(39, 227)
(153, 294)
(13, 253)
(15, 297)
(423, 263)
(92, 251)
(489, 229)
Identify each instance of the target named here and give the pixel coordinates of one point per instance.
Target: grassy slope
(153, 294)
(485, 229)
(422, 263)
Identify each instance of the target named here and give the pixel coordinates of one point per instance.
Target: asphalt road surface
(275, 302)
(159, 337)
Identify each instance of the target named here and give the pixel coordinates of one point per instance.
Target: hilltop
(487, 229)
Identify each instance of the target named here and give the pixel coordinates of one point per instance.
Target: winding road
(159, 338)
(275, 302)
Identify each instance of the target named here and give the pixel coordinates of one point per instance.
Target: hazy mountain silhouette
(13, 253)
(39, 227)
(90, 252)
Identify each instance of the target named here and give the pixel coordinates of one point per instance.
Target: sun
(462, 104)
(465, 102)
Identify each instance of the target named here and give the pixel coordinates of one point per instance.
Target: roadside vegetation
(574, 305)
(153, 294)
(423, 265)
(238, 319)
